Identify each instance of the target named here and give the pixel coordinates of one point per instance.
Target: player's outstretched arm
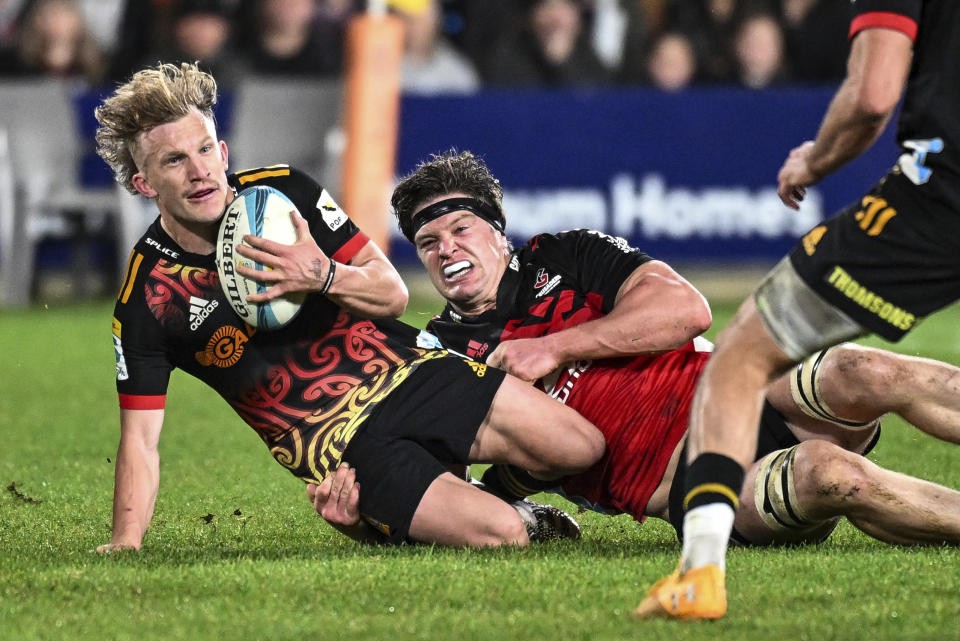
(137, 478)
(876, 75)
(656, 310)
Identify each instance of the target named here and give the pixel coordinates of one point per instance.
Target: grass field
(235, 551)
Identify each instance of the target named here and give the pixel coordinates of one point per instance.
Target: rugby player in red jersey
(614, 334)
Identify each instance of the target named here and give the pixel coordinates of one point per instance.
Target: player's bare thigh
(532, 430)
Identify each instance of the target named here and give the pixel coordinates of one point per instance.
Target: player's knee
(584, 446)
(868, 375)
(874, 381)
(505, 527)
(845, 386)
(785, 498)
(837, 478)
(594, 445)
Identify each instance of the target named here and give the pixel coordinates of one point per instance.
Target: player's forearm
(659, 313)
(374, 290)
(615, 337)
(137, 479)
(849, 128)
(876, 75)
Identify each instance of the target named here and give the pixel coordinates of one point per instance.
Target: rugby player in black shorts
(343, 383)
(880, 265)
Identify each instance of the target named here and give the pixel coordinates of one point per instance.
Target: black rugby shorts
(424, 426)
(888, 260)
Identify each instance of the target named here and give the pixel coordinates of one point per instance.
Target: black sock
(713, 478)
(512, 483)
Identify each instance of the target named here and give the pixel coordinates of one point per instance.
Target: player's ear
(142, 185)
(223, 153)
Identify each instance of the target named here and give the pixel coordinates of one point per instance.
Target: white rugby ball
(265, 212)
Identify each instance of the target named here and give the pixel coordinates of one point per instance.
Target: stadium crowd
(451, 45)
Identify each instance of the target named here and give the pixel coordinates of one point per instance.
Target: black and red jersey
(552, 282)
(929, 126)
(640, 404)
(304, 388)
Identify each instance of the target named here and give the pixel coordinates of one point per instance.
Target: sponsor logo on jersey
(912, 164)
(224, 348)
(514, 263)
(427, 340)
(200, 309)
(330, 212)
(874, 215)
(549, 286)
(166, 251)
(476, 349)
(542, 278)
(617, 241)
(478, 368)
(560, 383)
(812, 238)
(122, 373)
(840, 280)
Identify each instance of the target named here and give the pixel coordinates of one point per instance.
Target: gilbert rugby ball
(265, 212)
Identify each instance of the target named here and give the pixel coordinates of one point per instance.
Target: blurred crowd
(451, 45)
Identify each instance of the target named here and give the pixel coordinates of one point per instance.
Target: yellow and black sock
(713, 478)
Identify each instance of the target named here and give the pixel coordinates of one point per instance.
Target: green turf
(235, 551)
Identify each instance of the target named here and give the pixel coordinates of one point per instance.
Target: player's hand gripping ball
(265, 212)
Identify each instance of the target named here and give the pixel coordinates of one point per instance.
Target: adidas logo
(478, 368)
(476, 350)
(200, 309)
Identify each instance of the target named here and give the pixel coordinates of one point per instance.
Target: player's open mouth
(456, 269)
(201, 194)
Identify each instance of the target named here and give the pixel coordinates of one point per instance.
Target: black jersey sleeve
(333, 230)
(594, 261)
(900, 15)
(143, 368)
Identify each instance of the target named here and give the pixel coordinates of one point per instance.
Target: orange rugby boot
(699, 593)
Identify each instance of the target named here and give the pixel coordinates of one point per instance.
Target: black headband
(449, 205)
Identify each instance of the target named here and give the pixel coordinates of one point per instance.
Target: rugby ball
(265, 212)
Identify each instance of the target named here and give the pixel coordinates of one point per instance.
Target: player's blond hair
(152, 97)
